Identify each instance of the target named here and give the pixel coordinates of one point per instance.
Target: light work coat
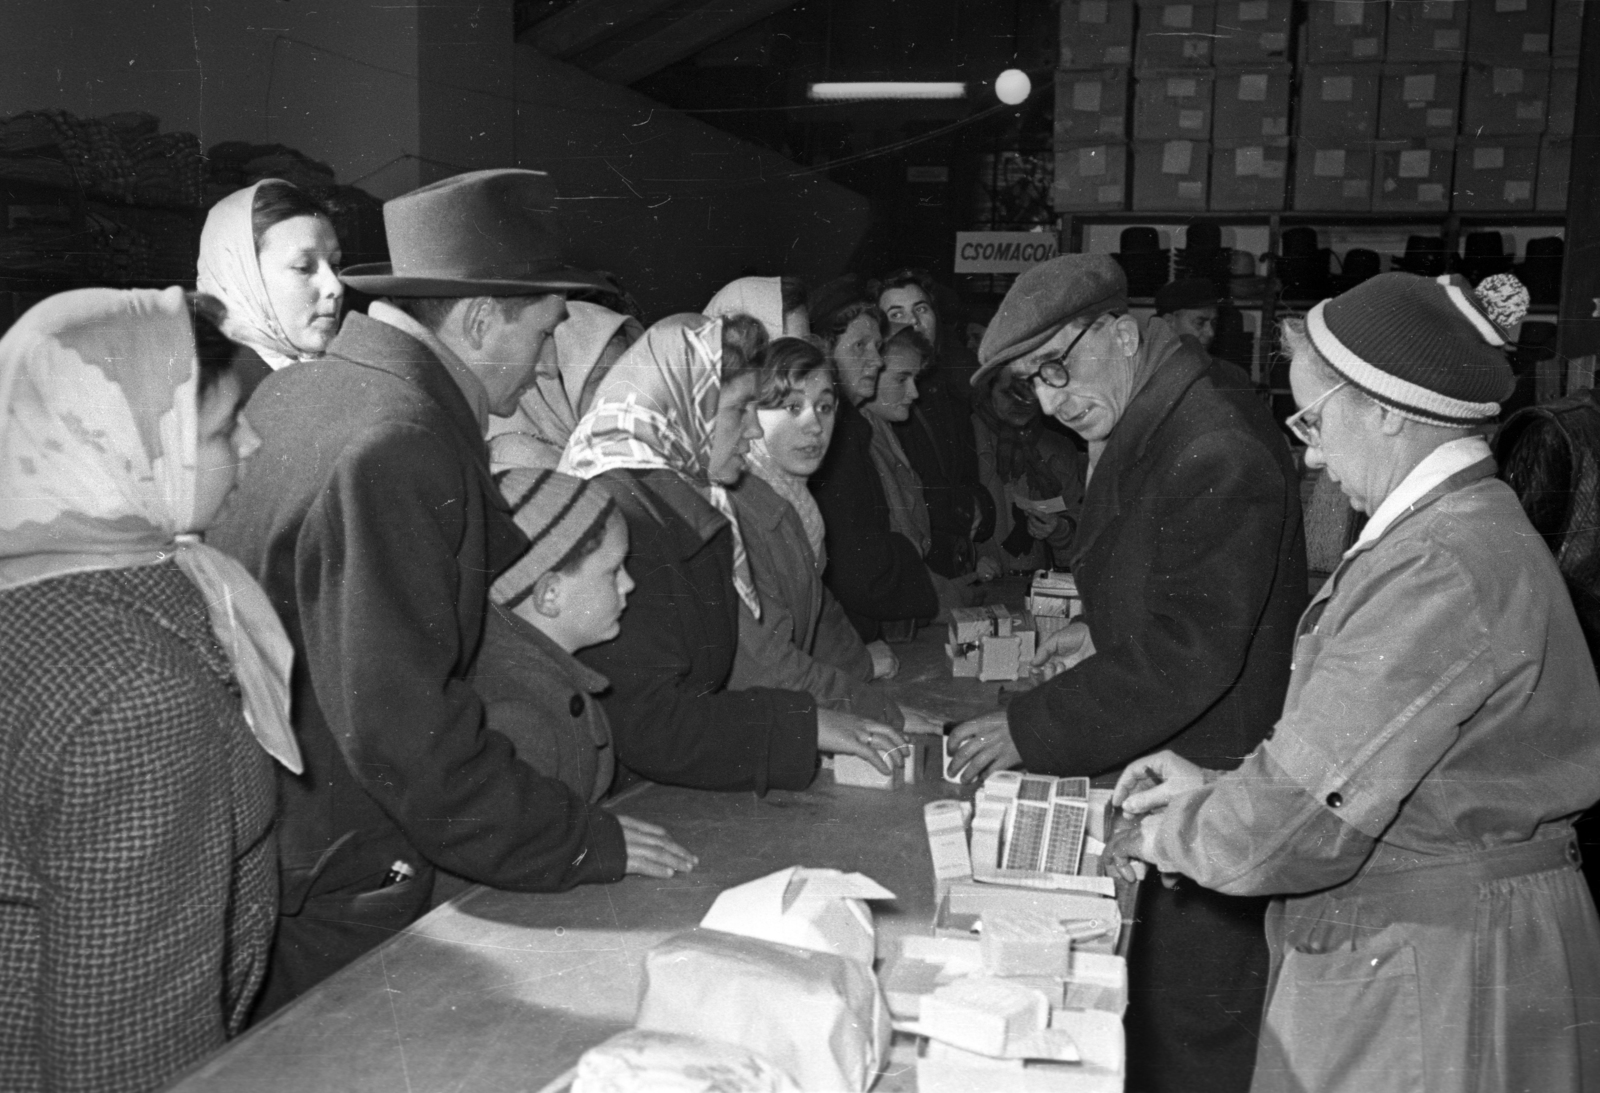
(1412, 811)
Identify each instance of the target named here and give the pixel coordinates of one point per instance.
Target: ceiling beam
(684, 36)
(587, 23)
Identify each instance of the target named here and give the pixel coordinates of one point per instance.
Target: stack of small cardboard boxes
(990, 643)
(1020, 986)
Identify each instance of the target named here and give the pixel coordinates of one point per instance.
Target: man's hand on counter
(651, 851)
(982, 746)
(1064, 649)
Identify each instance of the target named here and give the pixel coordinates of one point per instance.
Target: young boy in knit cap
(566, 593)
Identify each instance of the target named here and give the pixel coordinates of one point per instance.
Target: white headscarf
(657, 408)
(230, 270)
(99, 439)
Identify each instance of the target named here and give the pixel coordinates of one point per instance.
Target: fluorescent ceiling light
(885, 89)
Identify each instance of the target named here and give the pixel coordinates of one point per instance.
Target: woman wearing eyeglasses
(1190, 560)
(1412, 811)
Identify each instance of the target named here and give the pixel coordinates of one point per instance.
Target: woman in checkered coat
(143, 684)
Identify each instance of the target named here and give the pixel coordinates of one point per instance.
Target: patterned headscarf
(536, 433)
(657, 408)
(99, 441)
(230, 270)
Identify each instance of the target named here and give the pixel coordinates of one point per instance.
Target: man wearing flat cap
(372, 522)
(1190, 559)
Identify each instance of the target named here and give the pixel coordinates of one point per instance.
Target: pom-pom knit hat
(556, 512)
(1422, 346)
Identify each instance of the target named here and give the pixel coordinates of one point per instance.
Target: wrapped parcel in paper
(817, 1016)
(821, 909)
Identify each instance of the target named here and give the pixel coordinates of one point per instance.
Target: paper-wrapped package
(821, 909)
(639, 1061)
(816, 1015)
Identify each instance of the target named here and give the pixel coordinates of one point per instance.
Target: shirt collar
(1447, 459)
(471, 386)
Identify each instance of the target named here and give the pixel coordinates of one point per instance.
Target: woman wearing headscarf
(269, 252)
(571, 366)
(875, 570)
(144, 681)
(667, 434)
(777, 303)
(802, 641)
(1034, 474)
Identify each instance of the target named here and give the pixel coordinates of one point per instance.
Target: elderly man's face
(1100, 370)
(1345, 439)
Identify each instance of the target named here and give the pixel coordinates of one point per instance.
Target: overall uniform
(1412, 813)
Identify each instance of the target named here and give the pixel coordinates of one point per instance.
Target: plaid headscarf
(656, 409)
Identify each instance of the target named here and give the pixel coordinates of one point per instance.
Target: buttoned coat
(370, 518)
(1413, 812)
(546, 703)
(803, 640)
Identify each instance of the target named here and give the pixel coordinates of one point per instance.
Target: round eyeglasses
(1306, 432)
(1052, 370)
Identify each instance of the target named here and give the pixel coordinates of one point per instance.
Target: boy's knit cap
(555, 511)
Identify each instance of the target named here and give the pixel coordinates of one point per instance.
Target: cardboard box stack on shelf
(1380, 93)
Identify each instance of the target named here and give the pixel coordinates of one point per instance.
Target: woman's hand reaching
(845, 733)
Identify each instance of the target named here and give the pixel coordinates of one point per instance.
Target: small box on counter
(1095, 33)
(1090, 177)
(1429, 30)
(1250, 32)
(1419, 100)
(1566, 27)
(1506, 99)
(1413, 175)
(1332, 177)
(1496, 174)
(1249, 175)
(1251, 103)
(1092, 104)
(1555, 173)
(1346, 30)
(1340, 102)
(1563, 105)
(1053, 600)
(1175, 35)
(1096, 920)
(990, 643)
(1173, 105)
(1508, 30)
(1170, 175)
(944, 1068)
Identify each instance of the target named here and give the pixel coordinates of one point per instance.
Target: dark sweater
(672, 720)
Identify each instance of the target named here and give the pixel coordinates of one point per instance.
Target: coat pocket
(1343, 1022)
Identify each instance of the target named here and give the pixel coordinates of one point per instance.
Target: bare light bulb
(1012, 86)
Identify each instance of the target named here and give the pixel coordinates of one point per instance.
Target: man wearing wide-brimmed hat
(1190, 559)
(373, 523)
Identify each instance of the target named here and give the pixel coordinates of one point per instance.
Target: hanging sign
(1002, 252)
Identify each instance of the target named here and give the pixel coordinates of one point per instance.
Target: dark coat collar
(575, 672)
(369, 343)
(1177, 364)
(662, 495)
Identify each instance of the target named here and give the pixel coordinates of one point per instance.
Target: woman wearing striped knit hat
(1412, 809)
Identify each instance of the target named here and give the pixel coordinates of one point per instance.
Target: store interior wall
(394, 96)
